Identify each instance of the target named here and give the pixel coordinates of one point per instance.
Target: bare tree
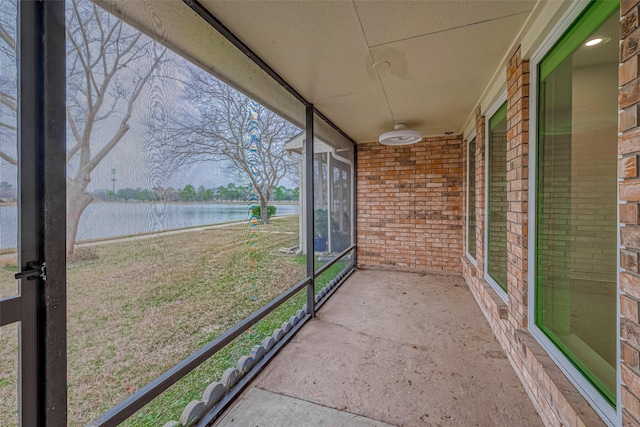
(215, 122)
(108, 66)
(8, 82)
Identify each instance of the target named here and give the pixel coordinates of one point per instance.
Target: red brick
(628, 167)
(630, 379)
(627, 5)
(630, 403)
(628, 70)
(629, 308)
(630, 190)
(629, 260)
(629, 45)
(630, 285)
(629, 23)
(628, 420)
(629, 355)
(630, 237)
(629, 142)
(629, 94)
(630, 331)
(629, 213)
(628, 119)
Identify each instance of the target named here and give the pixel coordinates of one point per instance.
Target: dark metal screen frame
(308, 201)
(40, 306)
(329, 264)
(146, 394)
(204, 13)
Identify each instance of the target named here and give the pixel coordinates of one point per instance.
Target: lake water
(101, 220)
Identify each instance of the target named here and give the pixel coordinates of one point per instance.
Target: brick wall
(464, 147)
(410, 205)
(480, 190)
(629, 149)
(517, 187)
(384, 228)
(558, 402)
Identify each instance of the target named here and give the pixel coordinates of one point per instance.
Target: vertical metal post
(54, 173)
(354, 202)
(29, 208)
(330, 196)
(309, 198)
(42, 211)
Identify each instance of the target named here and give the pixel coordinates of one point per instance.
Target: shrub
(271, 211)
(321, 223)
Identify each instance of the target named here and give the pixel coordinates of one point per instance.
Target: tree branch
(76, 135)
(4, 35)
(8, 126)
(124, 126)
(9, 101)
(8, 158)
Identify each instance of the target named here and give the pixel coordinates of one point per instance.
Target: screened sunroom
(319, 213)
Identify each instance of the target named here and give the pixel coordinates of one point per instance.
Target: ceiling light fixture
(382, 65)
(400, 136)
(594, 42)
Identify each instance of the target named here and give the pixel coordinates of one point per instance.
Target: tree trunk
(77, 202)
(264, 214)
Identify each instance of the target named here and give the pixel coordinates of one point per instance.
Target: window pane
(8, 210)
(497, 209)
(8, 148)
(471, 213)
(170, 404)
(333, 206)
(182, 210)
(9, 375)
(576, 207)
(320, 199)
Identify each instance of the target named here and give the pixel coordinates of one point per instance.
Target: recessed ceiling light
(382, 65)
(593, 42)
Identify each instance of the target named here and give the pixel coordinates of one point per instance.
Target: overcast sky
(134, 162)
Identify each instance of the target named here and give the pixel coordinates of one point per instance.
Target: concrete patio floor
(404, 349)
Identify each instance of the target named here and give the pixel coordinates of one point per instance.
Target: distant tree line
(8, 194)
(230, 192)
(110, 66)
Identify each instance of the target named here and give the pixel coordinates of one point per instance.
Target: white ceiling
(442, 55)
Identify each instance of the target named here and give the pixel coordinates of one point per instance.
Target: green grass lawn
(136, 308)
(170, 404)
(323, 280)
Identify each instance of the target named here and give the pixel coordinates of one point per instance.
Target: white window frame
(471, 257)
(490, 113)
(610, 415)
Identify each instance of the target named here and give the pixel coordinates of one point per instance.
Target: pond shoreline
(195, 202)
(11, 252)
(103, 221)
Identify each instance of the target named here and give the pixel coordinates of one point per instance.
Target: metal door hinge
(35, 270)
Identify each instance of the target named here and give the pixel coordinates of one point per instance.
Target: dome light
(400, 136)
(594, 42)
